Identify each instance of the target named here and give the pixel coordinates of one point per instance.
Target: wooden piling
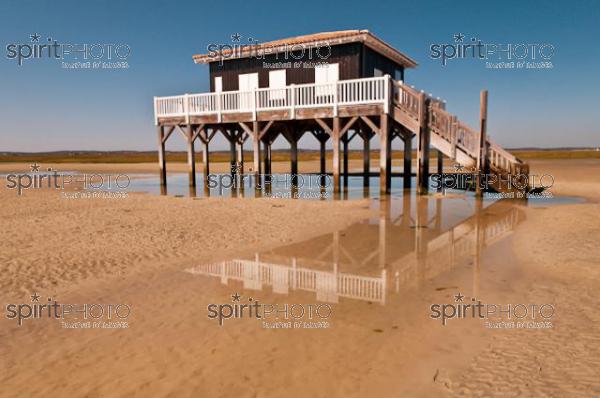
(366, 157)
(162, 164)
(266, 180)
(423, 150)
(407, 167)
(232, 153)
(240, 156)
(256, 151)
(481, 154)
(384, 156)
(336, 154)
(267, 156)
(206, 159)
(191, 155)
(345, 159)
(322, 137)
(294, 158)
(322, 156)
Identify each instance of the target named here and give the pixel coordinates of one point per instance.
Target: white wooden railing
(374, 90)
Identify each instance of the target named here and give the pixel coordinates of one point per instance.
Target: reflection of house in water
(411, 241)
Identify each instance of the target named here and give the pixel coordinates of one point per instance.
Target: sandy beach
(136, 250)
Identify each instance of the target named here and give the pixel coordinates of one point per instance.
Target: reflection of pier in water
(401, 248)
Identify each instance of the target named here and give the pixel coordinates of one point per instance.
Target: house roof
(311, 41)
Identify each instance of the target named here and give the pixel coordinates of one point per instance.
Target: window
(398, 74)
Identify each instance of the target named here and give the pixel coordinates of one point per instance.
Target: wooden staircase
(421, 114)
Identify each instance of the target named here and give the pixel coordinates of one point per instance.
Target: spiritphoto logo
(93, 185)
(519, 185)
(496, 316)
(272, 316)
(71, 316)
(70, 55)
(313, 185)
(495, 55)
(288, 55)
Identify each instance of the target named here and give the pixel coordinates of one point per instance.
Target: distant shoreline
(278, 155)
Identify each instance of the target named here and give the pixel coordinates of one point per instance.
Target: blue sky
(45, 107)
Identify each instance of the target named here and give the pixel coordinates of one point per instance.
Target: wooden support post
(240, 157)
(336, 154)
(206, 160)
(440, 162)
(345, 161)
(366, 157)
(323, 156)
(423, 147)
(454, 135)
(232, 153)
(388, 171)
(256, 151)
(162, 163)
(267, 156)
(384, 155)
(191, 156)
(266, 180)
(294, 158)
(407, 168)
(322, 159)
(481, 154)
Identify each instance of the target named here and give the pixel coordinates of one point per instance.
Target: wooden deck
(378, 106)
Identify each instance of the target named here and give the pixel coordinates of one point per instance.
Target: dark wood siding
(355, 60)
(373, 60)
(348, 56)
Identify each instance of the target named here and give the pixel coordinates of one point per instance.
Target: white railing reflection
(328, 286)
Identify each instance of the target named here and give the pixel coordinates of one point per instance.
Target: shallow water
(309, 188)
(412, 239)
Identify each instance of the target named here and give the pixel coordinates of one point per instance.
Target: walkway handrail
(406, 98)
(501, 158)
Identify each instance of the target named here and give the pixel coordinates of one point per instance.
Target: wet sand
(136, 250)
